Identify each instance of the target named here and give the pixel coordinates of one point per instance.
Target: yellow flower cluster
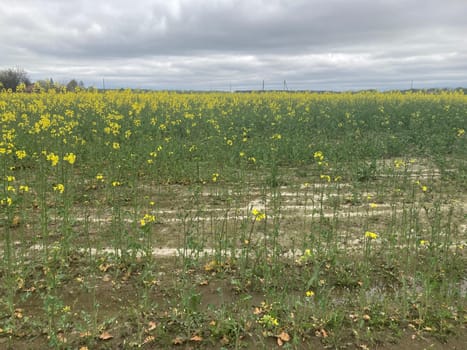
(70, 158)
(59, 188)
(371, 235)
(258, 215)
(268, 321)
(53, 158)
(148, 218)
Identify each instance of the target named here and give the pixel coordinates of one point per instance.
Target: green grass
(231, 220)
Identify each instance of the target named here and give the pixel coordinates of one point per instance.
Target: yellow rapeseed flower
(269, 321)
(424, 242)
(276, 137)
(20, 154)
(70, 158)
(399, 163)
(8, 201)
(66, 309)
(258, 215)
(319, 156)
(148, 218)
(371, 235)
(53, 158)
(59, 188)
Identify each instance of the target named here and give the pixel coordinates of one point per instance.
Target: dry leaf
(20, 283)
(196, 338)
(84, 348)
(204, 283)
(284, 336)
(177, 341)
(280, 342)
(105, 336)
(85, 334)
(15, 221)
(104, 267)
(257, 310)
(149, 339)
(321, 333)
(61, 338)
(106, 278)
(152, 326)
(210, 265)
(126, 276)
(19, 313)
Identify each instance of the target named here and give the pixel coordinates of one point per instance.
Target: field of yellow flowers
(232, 220)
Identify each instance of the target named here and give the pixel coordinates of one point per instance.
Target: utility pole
(103, 84)
(285, 86)
(263, 84)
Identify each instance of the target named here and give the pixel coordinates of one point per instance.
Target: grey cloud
(211, 44)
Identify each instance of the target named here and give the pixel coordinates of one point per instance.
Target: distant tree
(42, 85)
(72, 85)
(47, 84)
(11, 78)
(37, 86)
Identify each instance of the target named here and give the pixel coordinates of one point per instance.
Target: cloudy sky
(236, 44)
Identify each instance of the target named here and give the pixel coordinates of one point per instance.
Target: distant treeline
(17, 80)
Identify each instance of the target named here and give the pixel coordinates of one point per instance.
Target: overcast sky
(236, 44)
